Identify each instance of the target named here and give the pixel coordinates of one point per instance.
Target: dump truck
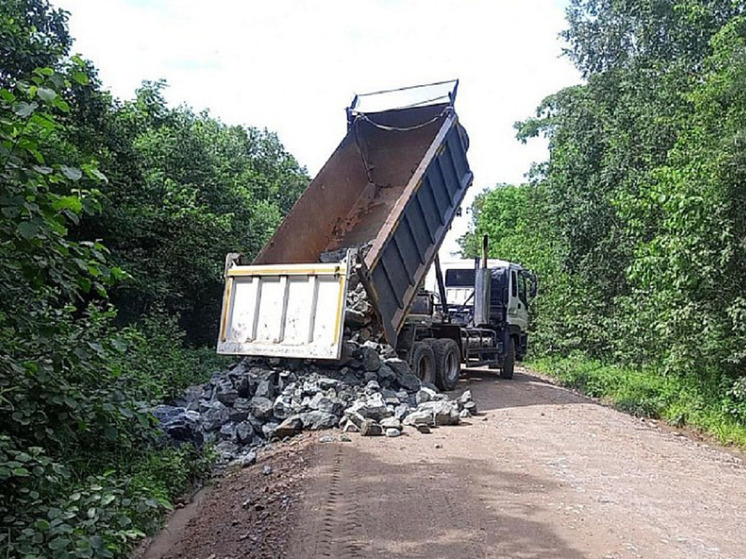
(378, 210)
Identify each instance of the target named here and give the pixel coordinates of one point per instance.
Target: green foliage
(703, 403)
(48, 514)
(637, 222)
(32, 35)
(183, 191)
(114, 220)
(157, 362)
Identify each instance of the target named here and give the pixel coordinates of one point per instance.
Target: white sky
(293, 66)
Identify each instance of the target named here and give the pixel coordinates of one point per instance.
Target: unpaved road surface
(540, 473)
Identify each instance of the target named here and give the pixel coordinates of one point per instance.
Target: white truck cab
(511, 291)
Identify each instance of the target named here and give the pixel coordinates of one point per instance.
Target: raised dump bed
(389, 192)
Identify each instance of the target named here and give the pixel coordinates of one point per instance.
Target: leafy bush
(91, 186)
(700, 402)
(83, 472)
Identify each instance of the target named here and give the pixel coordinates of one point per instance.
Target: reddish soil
(542, 473)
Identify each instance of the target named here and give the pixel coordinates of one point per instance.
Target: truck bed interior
(363, 181)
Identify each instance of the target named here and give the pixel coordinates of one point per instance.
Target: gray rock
(227, 450)
(207, 392)
(240, 411)
(420, 417)
(255, 423)
(225, 393)
(370, 358)
(240, 368)
(390, 397)
(422, 428)
(215, 414)
(245, 460)
(464, 414)
(268, 429)
(401, 411)
(426, 395)
(372, 385)
(180, 424)
(391, 432)
(316, 420)
(333, 256)
(354, 416)
(386, 373)
(326, 404)
(291, 426)
(164, 413)
(350, 427)
(287, 378)
(282, 408)
(244, 432)
(399, 366)
(325, 383)
(191, 397)
(310, 387)
(444, 412)
(239, 377)
(375, 408)
(261, 407)
(326, 439)
(370, 428)
(266, 388)
(471, 407)
(227, 432)
(403, 373)
(391, 423)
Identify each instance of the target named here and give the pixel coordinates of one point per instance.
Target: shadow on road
(399, 506)
(491, 392)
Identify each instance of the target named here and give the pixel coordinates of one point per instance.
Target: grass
(702, 403)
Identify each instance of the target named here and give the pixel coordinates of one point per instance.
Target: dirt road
(542, 473)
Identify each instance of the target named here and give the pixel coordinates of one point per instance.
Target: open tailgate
(292, 310)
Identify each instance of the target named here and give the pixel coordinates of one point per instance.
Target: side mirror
(534, 285)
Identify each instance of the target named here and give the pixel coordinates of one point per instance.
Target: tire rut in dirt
(357, 505)
(331, 530)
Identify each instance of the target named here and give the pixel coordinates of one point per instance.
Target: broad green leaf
(24, 109)
(71, 203)
(72, 173)
(28, 229)
(45, 94)
(80, 77)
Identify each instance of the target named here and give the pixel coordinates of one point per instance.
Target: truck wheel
(423, 362)
(508, 361)
(447, 363)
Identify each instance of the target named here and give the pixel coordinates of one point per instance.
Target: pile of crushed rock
(371, 392)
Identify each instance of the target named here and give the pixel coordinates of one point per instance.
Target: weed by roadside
(710, 404)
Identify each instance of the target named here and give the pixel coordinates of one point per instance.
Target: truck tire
(423, 362)
(447, 363)
(508, 361)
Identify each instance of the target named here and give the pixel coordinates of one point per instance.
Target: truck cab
(512, 287)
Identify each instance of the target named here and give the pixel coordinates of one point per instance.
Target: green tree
(32, 35)
(185, 189)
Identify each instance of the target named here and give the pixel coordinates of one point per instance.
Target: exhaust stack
(482, 284)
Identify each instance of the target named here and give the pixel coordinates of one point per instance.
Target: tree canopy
(115, 217)
(638, 215)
